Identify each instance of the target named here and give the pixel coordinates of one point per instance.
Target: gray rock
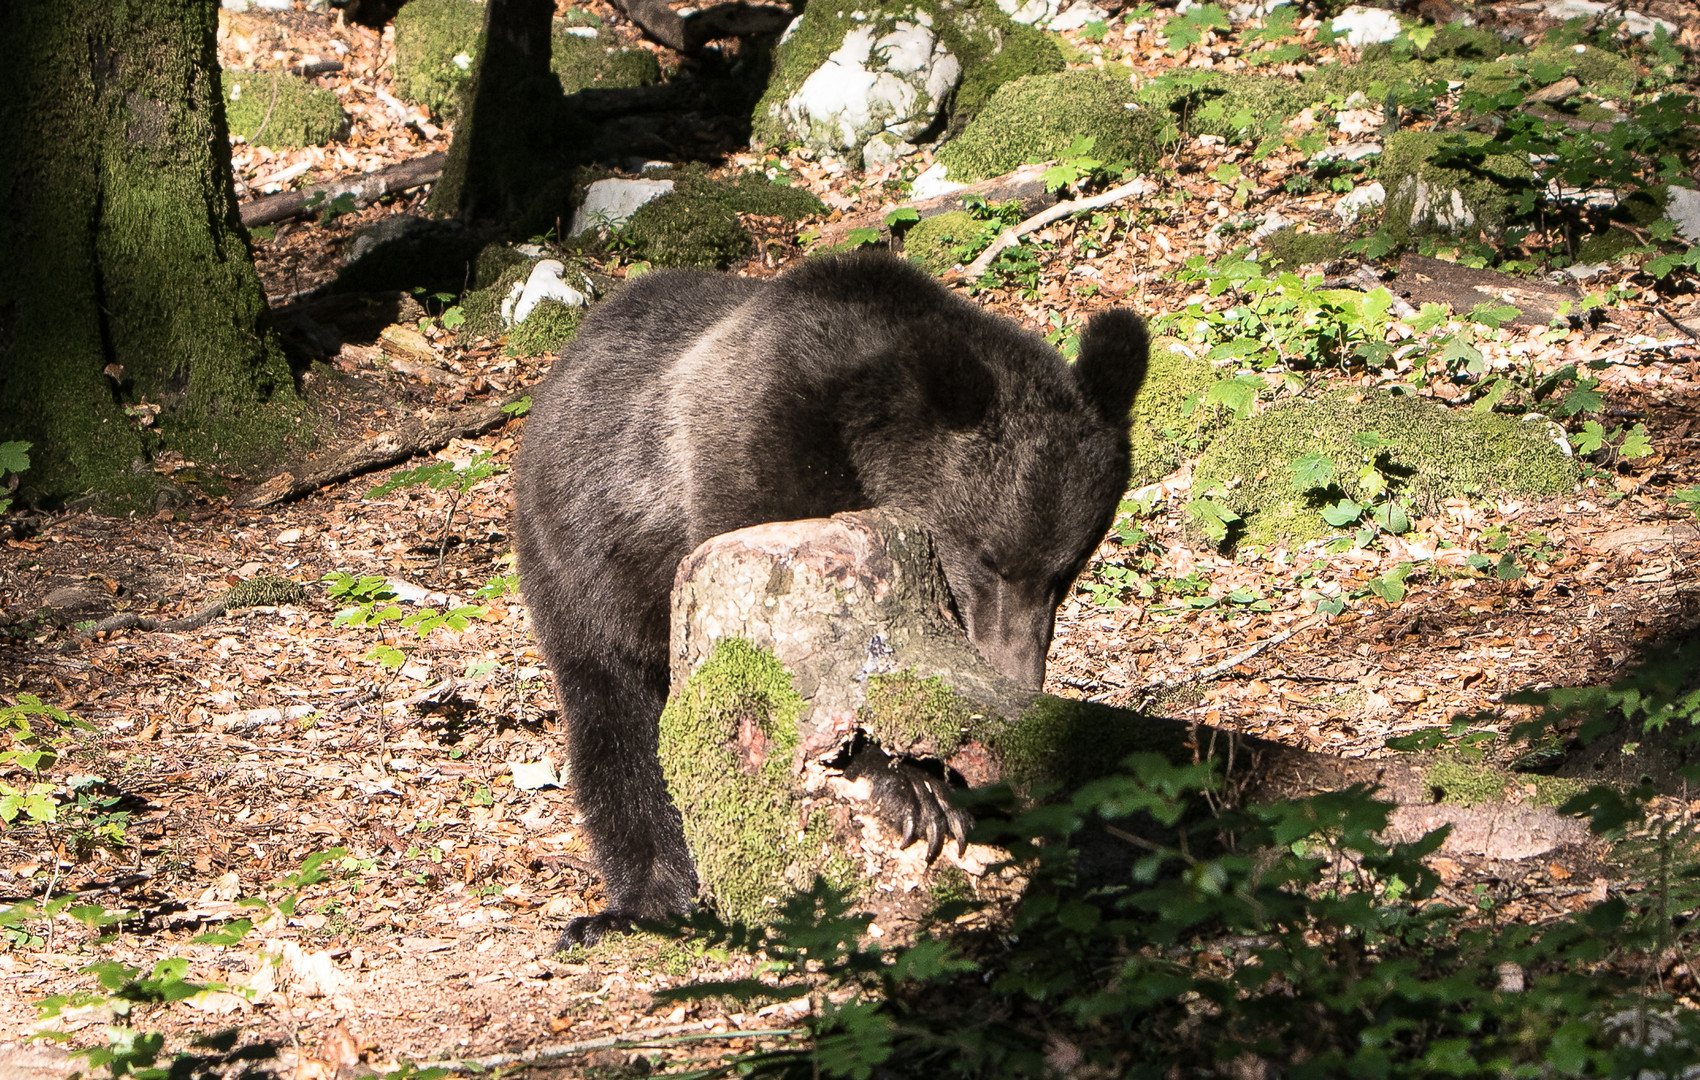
(1272, 223)
(1359, 201)
(1682, 206)
(613, 202)
(395, 227)
(932, 184)
(1077, 16)
(1352, 151)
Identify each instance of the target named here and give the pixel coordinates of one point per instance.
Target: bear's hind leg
(636, 835)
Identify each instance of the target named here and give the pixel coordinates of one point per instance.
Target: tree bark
(127, 278)
(509, 125)
(855, 611)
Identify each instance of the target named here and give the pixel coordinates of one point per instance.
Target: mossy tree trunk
(508, 123)
(127, 278)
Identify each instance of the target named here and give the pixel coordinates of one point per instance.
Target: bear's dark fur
(691, 404)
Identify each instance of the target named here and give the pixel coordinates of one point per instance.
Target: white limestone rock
(933, 183)
(1359, 201)
(1366, 26)
(891, 76)
(545, 283)
(612, 202)
(1682, 206)
(1634, 21)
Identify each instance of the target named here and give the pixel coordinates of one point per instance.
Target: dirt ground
(239, 749)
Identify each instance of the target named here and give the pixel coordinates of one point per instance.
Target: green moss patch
(904, 711)
(550, 324)
(697, 224)
(1063, 742)
(995, 50)
(1232, 106)
(937, 242)
(1460, 196)
(1038, 117)
(1600, 71)
(1169, 424)
(582, 62)
(727, 741)
(1437, 453)
(1291, 248)
(271, 108)
(437, 43)
(1461, 783)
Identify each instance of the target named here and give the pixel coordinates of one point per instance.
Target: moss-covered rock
(1291, 248)
(584, 60)
(1437, 453)
(548, 327)
(272, 108)
(437, 42)
(1454, 41)
(437, 256)
(847, 73)
(938, 242)
(1037, 118)
(1425, 196)
(727, 741)
(1375, 79)
(1606, 246)
(697, 225)
(1230, 105)
(1169, 422)
(1600, 71)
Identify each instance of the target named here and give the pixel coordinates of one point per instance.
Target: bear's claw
(911, 800)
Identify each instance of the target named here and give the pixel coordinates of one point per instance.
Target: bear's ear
(1111, 364)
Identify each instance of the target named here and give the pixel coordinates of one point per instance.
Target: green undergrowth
(697, 223)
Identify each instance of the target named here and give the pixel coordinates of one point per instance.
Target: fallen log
(793, 641)
(1025, 184)
(363, 189)
(381, 451)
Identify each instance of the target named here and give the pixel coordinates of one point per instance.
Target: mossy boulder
(1607, 245)
(1600, 71)
(1437, 186)
(550, 325)
(1037, 118)
(272, 108)
(1465, 783)
(1377, 78)
(1231, 105)
(1291, 248)
(697, 225)
(849, 74)
(1436, 453)
(1169, 422)
(585, 58)
(936, 242)
(437, 43)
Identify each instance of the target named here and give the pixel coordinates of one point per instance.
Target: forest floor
(238, 750)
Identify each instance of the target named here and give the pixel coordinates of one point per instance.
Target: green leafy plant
(1074, 165)
(373, 605)
(441, 475)
(14, 459)
(1189, 30)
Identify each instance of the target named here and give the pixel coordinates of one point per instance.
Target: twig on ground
(1012, 236)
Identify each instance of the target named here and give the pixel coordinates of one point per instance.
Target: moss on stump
(727, 742)
(1437, 453)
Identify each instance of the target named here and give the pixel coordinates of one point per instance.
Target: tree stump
(794, 640)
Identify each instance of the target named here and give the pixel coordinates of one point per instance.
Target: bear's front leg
(635, 832)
